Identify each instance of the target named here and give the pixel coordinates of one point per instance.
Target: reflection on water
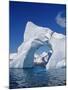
(36, 77)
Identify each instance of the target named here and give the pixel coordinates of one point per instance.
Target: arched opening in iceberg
(43, 54)
(38, 54)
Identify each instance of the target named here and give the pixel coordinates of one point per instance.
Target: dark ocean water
(37, 77)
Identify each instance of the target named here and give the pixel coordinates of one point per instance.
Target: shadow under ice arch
(35, 37)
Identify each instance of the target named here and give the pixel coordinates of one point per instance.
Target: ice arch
(26, 58)
(35, 37)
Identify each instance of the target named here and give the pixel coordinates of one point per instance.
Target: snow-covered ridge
(34, 31)
(35, 37)
(40, 30)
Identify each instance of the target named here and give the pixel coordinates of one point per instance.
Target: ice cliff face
(35, 37)
(58, 45)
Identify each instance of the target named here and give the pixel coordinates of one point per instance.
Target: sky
(52, 16)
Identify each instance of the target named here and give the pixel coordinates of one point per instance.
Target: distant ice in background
(61, 19)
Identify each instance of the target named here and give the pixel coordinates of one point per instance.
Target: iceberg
(34, 38)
